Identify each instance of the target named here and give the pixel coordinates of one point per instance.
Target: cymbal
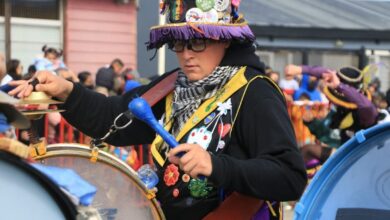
(5, 98)
(38, 98)
(33, 115)
(41, 112)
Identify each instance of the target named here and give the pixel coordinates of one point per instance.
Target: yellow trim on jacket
(235, 83)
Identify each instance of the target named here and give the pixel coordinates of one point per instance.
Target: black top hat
(350, 76)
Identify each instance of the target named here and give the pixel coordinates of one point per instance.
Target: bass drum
(120, 193)
(26, 193)
(354, 183)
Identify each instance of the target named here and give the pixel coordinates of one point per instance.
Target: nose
(187, 53)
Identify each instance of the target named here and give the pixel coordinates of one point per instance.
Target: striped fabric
(189, 95)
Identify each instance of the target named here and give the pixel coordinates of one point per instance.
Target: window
(42, 9)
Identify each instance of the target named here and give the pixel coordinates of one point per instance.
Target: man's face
(198, 65)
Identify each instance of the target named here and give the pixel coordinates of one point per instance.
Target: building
(91, 32)
(330, 33)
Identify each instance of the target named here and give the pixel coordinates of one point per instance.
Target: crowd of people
(109, 80)
(231, 121)
(352, 98)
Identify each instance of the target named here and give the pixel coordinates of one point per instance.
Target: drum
(354, 183)
(120, 193)
(25, 193)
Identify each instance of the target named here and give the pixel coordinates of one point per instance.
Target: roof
(308, 23)
(343, 14)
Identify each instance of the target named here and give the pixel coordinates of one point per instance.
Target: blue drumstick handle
(141, 109)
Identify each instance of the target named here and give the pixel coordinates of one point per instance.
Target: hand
(48, 83)
(331, 79)
(293, 70)
(195, 162)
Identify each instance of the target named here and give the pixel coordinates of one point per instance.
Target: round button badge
(194, 15)
(204, 5)
(211, 16)
(221, 5)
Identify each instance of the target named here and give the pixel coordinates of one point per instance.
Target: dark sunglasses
(196, 45)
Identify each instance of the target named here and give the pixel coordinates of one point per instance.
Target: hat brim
(159, 35)
(14, 117)
(4, 127)
(339, 98)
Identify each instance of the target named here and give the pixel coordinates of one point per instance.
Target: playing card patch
(200, 136)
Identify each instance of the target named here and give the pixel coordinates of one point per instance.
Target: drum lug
(151, 194)
(38, 149)
(94, 154)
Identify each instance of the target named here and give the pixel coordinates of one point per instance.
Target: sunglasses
(196, 45)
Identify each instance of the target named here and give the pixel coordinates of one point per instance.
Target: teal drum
(354, 183)
(26, 193)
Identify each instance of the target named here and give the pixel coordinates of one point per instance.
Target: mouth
(190, 66)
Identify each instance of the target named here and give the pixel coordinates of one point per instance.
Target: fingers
(20, 86)
(27, 91)
(24, 88)
(180, 148)
(17, 82)
(191, 168)
(196, 161)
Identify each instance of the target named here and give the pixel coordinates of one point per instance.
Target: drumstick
(141, 110)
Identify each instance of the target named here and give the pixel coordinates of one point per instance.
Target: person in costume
(230, 119)
(308, 89)
(352, 111)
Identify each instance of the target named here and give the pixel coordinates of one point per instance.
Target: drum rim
(319, 180)
(66, 206)
(81, 150)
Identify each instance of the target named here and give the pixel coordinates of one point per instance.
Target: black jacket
(261, 158)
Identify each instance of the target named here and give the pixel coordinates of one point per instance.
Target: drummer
(230, 119)
(352, 110)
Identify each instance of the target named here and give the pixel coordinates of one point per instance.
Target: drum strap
(161, 89)
(236, 206)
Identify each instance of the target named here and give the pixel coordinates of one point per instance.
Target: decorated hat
(200, 19)
(352, 77)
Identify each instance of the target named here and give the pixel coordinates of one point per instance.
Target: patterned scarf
(189, 95)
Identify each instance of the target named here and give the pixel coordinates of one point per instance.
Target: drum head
(355, 178)
(120, 194)
(25, 193)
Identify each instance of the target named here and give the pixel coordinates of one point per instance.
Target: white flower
(224, 107)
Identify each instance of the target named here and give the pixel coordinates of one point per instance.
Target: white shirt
(6, 79)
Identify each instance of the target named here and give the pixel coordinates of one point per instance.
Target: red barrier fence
(136, 154)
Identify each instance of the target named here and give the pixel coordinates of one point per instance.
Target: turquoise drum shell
(356, 176)
(26, 193)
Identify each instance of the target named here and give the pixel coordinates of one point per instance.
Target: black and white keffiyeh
(189, 95)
